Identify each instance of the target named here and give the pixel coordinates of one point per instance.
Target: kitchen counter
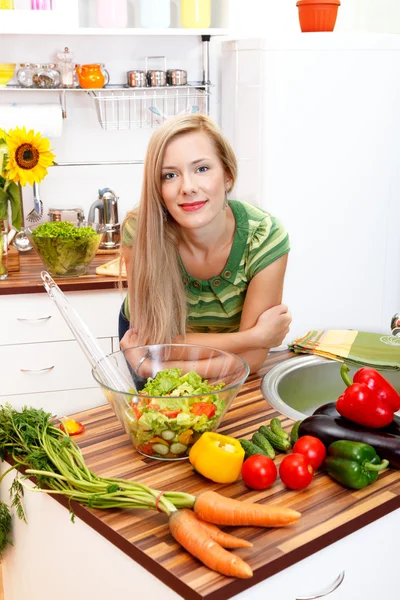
(329, 511)
(28, 281)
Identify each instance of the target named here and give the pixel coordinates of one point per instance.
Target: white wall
(260, 17)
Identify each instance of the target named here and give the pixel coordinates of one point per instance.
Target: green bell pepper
(353, 464)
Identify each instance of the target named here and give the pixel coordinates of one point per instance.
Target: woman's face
(193, 181)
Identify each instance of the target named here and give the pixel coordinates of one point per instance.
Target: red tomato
(312, 448)
(203, 408)
(170, 413)
(295, 471)
(259, 472)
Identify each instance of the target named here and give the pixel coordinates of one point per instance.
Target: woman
(201, 269)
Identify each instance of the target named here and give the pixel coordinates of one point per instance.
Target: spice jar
(66, 68)
(46, 76)
(25, 75)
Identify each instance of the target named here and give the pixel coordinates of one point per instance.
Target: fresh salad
(64, 247)
(176, 413)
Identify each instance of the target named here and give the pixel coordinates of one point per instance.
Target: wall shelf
(131, 31)
(123, 107)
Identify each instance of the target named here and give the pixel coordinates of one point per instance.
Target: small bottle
(112, 13)
(41, 4)
(6, 4)
(66, 68)
(196, 13)
(155, 14)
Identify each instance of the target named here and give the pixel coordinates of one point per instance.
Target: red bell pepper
(379, 385)
(368, 400)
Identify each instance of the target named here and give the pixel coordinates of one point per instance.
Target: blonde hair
(157, 297)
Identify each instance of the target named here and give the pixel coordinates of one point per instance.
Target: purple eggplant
(330, 410)
(329, 429)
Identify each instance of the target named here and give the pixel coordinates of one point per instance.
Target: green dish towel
(358, 348)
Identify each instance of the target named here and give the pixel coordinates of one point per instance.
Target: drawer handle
(39, 319)
(331, 588)
(37, 370)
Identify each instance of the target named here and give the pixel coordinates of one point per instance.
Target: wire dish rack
(130, 108)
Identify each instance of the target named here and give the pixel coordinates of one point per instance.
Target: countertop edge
(79, 286)
(237, 585)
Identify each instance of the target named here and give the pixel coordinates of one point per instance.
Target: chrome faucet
(395, 325)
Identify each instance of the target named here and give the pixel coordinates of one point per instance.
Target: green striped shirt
(215, 305)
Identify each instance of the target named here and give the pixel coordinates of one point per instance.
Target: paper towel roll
(46, 118)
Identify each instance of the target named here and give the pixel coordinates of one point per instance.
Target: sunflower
(29, 156)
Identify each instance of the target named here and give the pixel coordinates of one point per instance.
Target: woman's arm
(264, 323)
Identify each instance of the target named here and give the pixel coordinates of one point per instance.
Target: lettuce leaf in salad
(171, 381)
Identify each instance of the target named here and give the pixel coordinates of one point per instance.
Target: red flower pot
(317, 15)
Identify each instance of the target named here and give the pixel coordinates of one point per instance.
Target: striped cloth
(215, 305)
(355, 347)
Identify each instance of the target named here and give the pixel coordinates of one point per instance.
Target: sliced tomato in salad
(203, 408)
(135, 409)
(171, 414)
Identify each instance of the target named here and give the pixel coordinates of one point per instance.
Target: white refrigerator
(315, 123)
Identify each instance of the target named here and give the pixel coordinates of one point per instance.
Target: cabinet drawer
(59, 404)
(31, 368)
(317, 575)
(35, 318)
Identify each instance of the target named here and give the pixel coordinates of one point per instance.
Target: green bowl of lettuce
(178, 392)
(66, 249)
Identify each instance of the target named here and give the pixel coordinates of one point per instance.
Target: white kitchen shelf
(123, 107)
(129, 31)
(131, 108)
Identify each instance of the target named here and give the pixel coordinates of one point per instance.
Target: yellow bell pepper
(217, 457)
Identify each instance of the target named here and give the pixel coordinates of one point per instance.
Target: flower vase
(3, 248)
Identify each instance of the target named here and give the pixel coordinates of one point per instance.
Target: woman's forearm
(237, 342)
(242, 343)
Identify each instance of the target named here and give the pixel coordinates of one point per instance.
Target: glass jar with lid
(66, 68)
(46, 76)
(25, 74)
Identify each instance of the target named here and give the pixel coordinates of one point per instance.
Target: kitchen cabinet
(41, 363)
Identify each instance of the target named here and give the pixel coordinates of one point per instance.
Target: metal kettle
(107, 206)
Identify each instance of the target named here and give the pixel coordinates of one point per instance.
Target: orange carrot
(214, 508)
(222, 538)
(185, 529)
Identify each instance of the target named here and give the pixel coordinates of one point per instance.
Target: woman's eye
(169, 176)
(203, 169)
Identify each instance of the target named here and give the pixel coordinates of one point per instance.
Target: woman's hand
(130, 339)
(272, 326)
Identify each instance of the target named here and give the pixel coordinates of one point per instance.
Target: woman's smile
(193, 206)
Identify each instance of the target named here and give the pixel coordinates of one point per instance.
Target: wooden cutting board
(329, 511)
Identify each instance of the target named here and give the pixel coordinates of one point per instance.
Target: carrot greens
(33, 442)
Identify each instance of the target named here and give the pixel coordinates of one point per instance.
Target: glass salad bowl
(179, 391)
(66, 249)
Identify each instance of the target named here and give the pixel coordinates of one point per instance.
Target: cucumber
(178, 448)
(167, 435)
(259, 440)
(276, 427)
(294, 434)
(277, 442)
(160, 449)
(250, 449)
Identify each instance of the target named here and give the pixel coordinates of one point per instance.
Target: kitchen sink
(298, 386)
